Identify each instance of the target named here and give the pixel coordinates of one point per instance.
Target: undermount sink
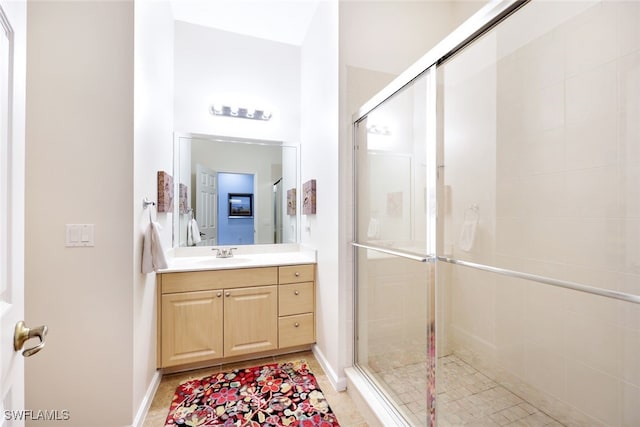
(222, 261)
(207, 261)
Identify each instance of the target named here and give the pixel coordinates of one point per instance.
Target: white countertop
(249, 256)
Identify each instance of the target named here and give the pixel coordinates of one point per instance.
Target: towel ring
(474, 210)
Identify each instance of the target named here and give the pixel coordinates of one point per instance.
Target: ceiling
(284, 21)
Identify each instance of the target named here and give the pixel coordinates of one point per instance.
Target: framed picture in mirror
(240, 205)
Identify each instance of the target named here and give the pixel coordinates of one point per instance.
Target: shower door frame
(486, 19)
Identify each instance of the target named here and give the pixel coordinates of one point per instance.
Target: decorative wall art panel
(309, 197)
(291, 201)
(165, 192)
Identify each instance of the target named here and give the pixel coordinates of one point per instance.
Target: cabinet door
(250, 320)
(191, 327)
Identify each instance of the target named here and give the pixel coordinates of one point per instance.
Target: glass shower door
(394, 275)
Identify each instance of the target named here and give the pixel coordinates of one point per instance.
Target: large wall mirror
(234, 191)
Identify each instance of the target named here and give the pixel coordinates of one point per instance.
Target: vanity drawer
(295, 298)
(296, 330)
(296, 273)
(217, 279)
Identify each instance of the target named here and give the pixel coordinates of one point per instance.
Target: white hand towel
(373, 231)
(195, 232)
(157, 251)
(468, 233)
(153, 257)
(189, 234)
(147, 261)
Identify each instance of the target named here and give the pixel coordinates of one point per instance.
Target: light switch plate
(79, 235)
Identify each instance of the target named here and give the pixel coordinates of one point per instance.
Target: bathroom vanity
(213, 310)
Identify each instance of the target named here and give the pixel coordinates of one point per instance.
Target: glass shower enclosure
(395, 280)
(497, 184)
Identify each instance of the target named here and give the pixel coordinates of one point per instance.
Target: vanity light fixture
(240, 112)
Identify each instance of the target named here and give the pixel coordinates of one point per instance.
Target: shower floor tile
(465, 395)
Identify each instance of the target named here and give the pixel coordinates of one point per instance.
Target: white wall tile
(593, 193)
(628, 194)
(630, 399)
(593, 243)
(591, 39)
(594, 343)
(545, 239)
(630, 362)
(594, 393)
(543, 60)
(592, 143)
(629, 312)
(591, 94)
(544, 196)
(594, 306)
(544, 107)
(630, 246)
(509, 236)
(546, 370)
(544, 318)
(628, 25)
(544, 152)
(629, 83)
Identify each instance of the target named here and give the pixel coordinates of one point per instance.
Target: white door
(12, 171)
(207, 205)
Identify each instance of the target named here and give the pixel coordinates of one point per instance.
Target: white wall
(79, 169)
(223, 67)
(388, 36)
(153, 151)
(319, 150)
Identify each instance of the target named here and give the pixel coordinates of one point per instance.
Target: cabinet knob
(296, 324)
(297, 274)
(219, 294)
(227, 294)
(296, 292)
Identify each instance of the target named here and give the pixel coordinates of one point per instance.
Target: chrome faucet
(224, 252)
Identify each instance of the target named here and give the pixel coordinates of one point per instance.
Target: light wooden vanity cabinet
(220, 314)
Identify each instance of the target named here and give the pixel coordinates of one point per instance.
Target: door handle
(22, 334)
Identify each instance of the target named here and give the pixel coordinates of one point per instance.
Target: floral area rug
(269, 395)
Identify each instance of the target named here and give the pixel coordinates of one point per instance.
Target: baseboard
(146, 401)
(339, 383)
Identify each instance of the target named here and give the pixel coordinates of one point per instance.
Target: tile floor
(340, 402)
(466, 397)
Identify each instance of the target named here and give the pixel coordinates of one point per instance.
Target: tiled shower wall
(542, 133)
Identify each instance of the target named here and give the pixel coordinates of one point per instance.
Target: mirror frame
(177, 136)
